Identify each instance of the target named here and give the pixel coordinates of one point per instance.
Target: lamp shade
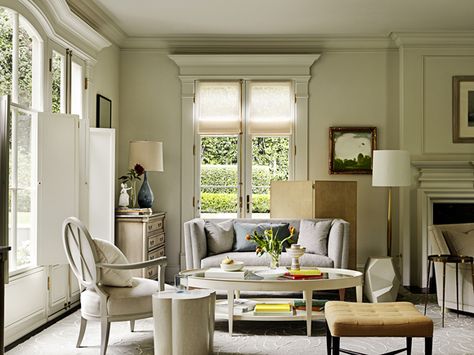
(146, 153)
(391, 168)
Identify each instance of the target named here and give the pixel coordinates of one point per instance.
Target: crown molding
(98, 19)
(433, 39)
(257, 44)
(244, 64)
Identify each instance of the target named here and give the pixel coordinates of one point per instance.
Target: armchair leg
(104, 335)
(132, 326)
(82, 330)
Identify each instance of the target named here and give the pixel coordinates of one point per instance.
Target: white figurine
(124, 199)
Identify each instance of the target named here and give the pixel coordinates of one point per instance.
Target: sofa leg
(328, 339)
(428, 345)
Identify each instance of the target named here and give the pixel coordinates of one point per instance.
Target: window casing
(244, 131)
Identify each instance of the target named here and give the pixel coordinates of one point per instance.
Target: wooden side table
(445, 259)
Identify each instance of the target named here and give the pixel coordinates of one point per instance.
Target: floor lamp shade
(391, 168)
(149, 155)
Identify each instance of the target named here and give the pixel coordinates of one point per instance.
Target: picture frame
(351, 149)
(103, 112)
(463, 109)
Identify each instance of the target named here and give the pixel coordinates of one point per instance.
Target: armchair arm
(131, 266)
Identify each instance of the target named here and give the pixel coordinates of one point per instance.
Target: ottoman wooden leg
(409, 341)
(428, 346)
(336, 342)
(328, 339)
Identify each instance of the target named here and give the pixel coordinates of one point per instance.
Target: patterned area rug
(457, 337)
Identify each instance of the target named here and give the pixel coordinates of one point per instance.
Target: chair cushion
(220, 236)
(251, 259)
(108, 253)
(314, 236)
(122, 300)
(391, 319)
(460, 243)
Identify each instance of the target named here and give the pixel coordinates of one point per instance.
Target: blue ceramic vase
(145, 195)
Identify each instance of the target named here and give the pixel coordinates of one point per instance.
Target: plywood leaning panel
(339, 199)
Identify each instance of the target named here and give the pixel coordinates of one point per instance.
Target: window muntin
(261, 153)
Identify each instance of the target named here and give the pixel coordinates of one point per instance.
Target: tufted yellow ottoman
(393, 319)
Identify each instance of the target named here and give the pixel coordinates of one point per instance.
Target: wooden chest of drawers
(141, 238)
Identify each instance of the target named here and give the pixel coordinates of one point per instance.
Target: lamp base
(381, 280)
(145, 195)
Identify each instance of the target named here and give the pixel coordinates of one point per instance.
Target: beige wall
(150, 105)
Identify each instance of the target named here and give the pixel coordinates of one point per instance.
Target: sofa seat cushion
(252, 259)
(122, 300)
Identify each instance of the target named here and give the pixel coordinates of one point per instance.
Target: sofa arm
(338, 243)
(195, 243)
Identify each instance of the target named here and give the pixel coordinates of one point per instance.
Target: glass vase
(274, 260)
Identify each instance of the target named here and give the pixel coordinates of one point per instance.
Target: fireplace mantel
(438, 182)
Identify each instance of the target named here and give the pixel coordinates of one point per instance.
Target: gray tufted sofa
(197, 255)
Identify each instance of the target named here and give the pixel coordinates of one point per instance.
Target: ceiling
(159, 18)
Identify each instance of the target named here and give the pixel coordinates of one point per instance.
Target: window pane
(269, 163)
(6, 34)
(58, 83)
(219, 107)
(76, 89)
(25, 67)
(23, 139)
(24, 242)
(219, 177)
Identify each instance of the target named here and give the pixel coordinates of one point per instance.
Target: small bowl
(235, 266)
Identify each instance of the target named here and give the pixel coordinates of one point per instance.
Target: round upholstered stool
(393, 319)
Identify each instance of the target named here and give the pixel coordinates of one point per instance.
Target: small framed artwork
(463, 109)
(104, 112)
(350, 149)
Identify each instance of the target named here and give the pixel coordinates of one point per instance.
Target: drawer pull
(152, 242)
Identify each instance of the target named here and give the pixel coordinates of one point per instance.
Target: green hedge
(227, 203)
(226, 175)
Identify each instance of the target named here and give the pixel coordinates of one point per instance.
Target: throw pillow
(220, 237)
(241, 230)
(314, 236)
(108, 253)
(281, 230)
(460, 243)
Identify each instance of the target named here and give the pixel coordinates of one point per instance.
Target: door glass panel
(219, 177)
(76, 89)
(270, 162)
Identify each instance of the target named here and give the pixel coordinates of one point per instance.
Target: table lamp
(149, 155)
(390, 168)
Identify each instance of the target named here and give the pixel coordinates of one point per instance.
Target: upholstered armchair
(110, 293)
(456, 239)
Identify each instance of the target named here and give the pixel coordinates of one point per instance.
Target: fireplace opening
(451, 213)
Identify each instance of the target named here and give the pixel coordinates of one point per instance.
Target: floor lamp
(390, 168)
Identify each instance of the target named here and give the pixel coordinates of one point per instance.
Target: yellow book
(305, 272)
(273, 307)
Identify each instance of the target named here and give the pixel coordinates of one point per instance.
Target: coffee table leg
(308, 297)
(359, 293)
(230, 301)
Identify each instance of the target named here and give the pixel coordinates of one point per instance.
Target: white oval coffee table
(333, 279)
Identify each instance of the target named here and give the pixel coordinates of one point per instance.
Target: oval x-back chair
(104, 303)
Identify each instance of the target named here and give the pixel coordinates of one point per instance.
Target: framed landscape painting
(350, 149)
(463, 109)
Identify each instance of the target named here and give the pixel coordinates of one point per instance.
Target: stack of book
(273, 309)
(317, 305)
(218, 273)
(304, 274)
(241, 305)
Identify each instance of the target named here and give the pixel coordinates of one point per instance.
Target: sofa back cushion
(314, 235)
(220, 236)
(241, 230)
